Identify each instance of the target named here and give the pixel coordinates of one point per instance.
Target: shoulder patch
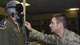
(2, 25)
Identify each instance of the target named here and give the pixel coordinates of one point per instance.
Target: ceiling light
(26, 4)
(73, 9)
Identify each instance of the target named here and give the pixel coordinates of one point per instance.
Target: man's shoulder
(2, 25)
(5, 22)
(71, 36)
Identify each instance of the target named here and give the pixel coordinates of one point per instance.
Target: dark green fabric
(9, 36)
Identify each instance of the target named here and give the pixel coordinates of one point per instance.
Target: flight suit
(11, 35)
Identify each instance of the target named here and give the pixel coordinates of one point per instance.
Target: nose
(49, 25)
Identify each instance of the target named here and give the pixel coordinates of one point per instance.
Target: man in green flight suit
(61, 35)
(12, 32)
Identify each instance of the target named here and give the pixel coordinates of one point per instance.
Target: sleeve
(43, 37)
(3, 37)
(72, 43)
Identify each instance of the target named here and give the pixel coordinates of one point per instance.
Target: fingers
(27, 23)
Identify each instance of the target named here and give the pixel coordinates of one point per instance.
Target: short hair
(61, 18)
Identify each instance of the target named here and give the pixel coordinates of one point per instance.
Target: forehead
(53, 19)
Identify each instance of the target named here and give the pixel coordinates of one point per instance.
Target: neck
(60, 32)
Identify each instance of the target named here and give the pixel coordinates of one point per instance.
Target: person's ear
(60, 25)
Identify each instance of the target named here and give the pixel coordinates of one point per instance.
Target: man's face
(53, 25)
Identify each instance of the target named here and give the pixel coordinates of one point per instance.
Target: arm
(43, 37)
(72, 39)
(39, 35)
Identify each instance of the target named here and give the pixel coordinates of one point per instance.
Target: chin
(52, 31)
